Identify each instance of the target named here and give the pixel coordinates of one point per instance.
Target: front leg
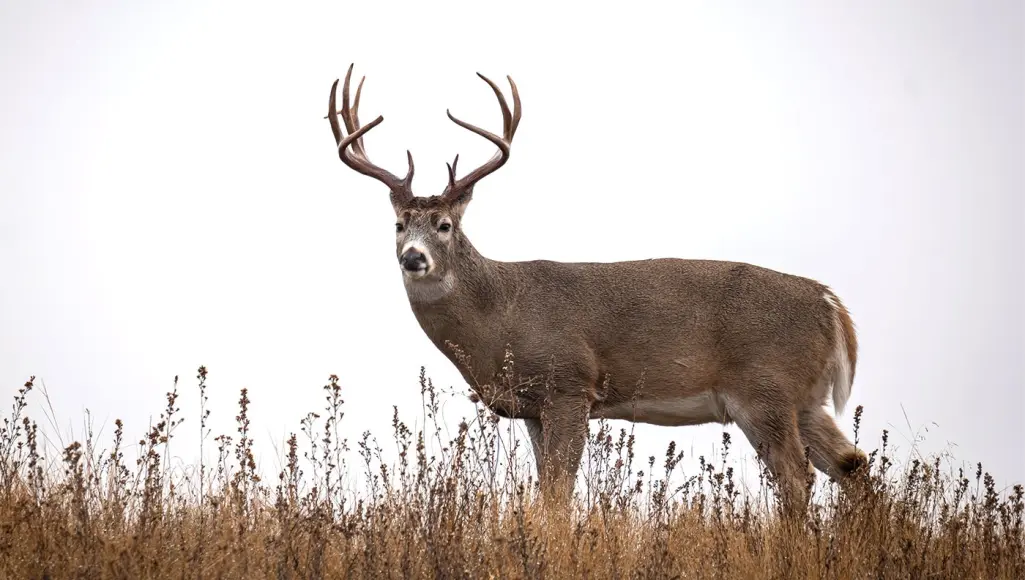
(536, 441)
(558, 439)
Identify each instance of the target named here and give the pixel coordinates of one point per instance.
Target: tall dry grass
(465, 507)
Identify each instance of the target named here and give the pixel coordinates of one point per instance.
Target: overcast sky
(170, 195)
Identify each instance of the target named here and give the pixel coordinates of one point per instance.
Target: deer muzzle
(414, 261)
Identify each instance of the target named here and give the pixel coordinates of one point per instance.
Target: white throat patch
(429, 290)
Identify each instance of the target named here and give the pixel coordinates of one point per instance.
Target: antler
(401, 189)
(457, 187)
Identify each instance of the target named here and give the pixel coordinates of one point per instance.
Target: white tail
(843, 360)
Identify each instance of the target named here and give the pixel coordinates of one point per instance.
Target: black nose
(413, 260)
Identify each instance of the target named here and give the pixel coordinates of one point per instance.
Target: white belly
(707, 407)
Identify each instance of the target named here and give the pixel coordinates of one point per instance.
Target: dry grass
(460, 508)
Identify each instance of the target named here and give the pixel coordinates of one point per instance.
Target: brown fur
(663, 341)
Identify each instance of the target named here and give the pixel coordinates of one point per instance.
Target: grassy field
(458, 507)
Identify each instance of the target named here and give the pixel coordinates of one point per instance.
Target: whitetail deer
(663, 341)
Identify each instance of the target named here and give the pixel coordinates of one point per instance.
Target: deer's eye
(444, 227)
(399, 227)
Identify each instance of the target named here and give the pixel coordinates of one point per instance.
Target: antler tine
(510, 122)
(506, 115)
(516, 108)
(452, 171)
(356, 158)
(350, 115)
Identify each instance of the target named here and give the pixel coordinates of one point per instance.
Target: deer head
(428, 237)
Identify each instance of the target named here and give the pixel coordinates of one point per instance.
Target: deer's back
(668, 291)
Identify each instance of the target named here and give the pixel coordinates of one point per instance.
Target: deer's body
(663, 341)
(634, 332)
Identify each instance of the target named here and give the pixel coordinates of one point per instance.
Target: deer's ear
(461, 201)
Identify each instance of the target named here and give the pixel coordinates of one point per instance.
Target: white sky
(170, 195)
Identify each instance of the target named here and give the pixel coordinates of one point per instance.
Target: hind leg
(772, 430)
(831, 452)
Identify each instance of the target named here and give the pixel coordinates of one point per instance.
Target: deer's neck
(471, 297)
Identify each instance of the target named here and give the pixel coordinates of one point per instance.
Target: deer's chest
(475, 346)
